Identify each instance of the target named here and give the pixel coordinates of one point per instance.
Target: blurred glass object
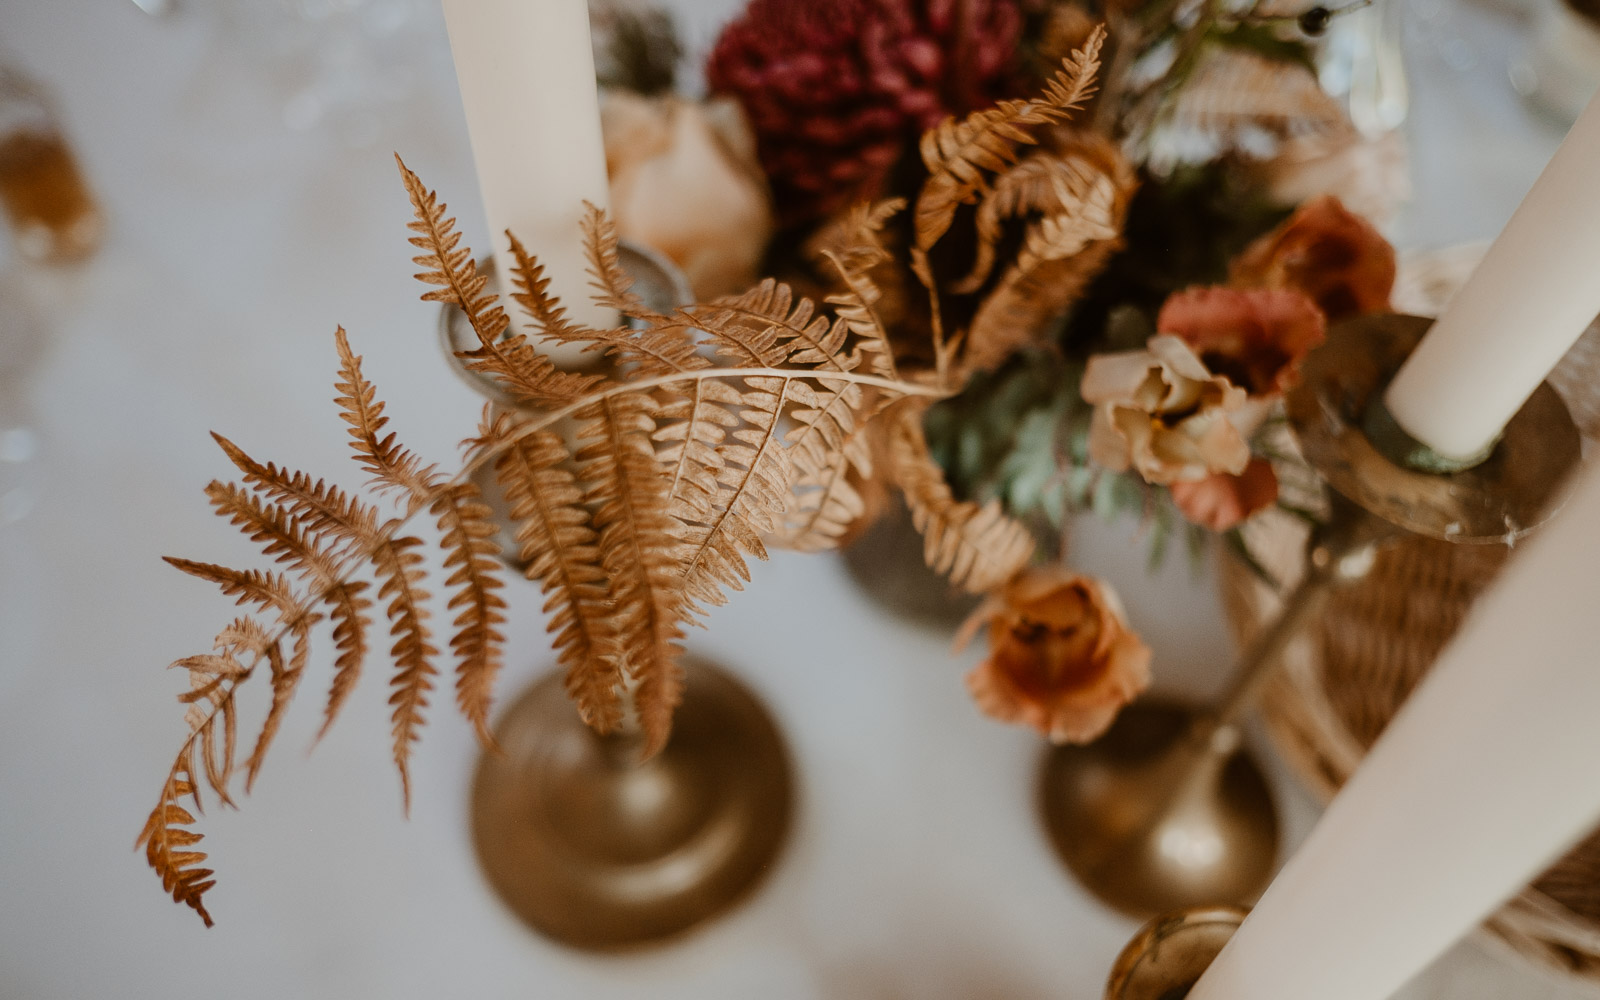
(1557, 71)
(22, 341)
(348, 67)
(53, 215)
(1362, 61)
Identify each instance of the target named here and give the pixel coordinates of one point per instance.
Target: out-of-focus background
(233, 198)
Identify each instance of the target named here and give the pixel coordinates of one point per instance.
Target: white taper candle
(1487, 774)
(526, 70)
(1534, 294)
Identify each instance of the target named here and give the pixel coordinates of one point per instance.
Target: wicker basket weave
(1341, 684)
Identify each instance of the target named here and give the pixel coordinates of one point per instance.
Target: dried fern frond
(1048, 183)
(661, 346)
(169, 843)
(636, 535)
(611, 283)
(958, 154)
(558, 547)
(681, 471)
(450, 268)
(1060, 254)
(977, 547)
(392, 467)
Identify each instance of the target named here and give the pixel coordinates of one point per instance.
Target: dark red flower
(839, 90)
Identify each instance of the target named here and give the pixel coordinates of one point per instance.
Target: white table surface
(236, 244)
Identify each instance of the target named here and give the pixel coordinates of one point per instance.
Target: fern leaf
(753, 476)
(854, 239)
(320, 508)
(659, 347)
(628, 493)
(768, 327)
(824, 502)
(280, 535)
(284, 681)
(691, 424)
(958, 154)
(448, 266)
(978, 548)
(392, 467)
(467, 535)
(399, 582)
(170, 845)
(613, 287)
(262, 588)
(350, 623)
(454, 279)
(560, 551)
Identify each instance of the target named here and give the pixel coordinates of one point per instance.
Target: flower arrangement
(1133, 289)
(1035, 298)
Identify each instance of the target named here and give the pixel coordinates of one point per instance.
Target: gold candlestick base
(1170, 954)
(1145, 814)
(1170, 814)
(600, 852)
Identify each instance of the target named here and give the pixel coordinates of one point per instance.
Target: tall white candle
(1483, 779)
(526, 70)
(1532, 296)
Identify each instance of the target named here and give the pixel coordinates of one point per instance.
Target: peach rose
(1327, 252)
(1061, 657)
(685, 181)
(1254, 336)
(1222, 501)
(1162, 412)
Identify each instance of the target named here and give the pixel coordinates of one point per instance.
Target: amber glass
(53, 216)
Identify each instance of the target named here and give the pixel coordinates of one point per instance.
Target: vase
(584, 840)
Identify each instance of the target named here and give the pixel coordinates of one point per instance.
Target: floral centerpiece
(1039, 293)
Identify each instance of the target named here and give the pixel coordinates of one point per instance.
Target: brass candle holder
(1167, 810)
(581, 839)
(1170, 953)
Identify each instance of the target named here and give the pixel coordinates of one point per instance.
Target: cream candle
(1533, 295)
(1484, 778)
(526, 70)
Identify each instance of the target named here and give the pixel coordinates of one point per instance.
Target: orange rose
(1061, 658)
(1256, 336)
(1161, 412)
(1219, 502)
(1327, 252)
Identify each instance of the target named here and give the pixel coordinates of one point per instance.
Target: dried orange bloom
(1326, 251)
(1062, 659)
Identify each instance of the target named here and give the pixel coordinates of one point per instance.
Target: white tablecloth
(236, 244)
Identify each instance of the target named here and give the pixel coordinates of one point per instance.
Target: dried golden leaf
(467, 538)
(559, 550)
(392, 467)
(449, 267)
(959, 153)
(628, 494)
(658, 346)
(978, 548)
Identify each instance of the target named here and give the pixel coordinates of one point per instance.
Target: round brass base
(1148, 828)
(1168, 956)
(598, 851)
